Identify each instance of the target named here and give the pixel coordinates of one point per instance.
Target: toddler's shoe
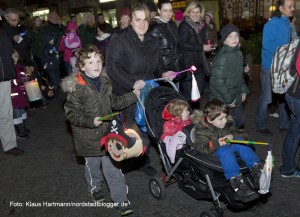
(124, 208)
(256, 173)
(98, 196)
(242, 191)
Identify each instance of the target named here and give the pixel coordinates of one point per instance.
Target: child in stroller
(177, 115)
(196, 173)
(211, 131)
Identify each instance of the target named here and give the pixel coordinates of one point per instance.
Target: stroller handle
(167, 80)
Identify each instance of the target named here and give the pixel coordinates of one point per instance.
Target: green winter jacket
(226, 81)
(83, 104)
(207, 136)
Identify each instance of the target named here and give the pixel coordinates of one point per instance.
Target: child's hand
(247, 68)
(139, 84)
(29, 70)
(222, 141)
(96, 122)
(244, 97)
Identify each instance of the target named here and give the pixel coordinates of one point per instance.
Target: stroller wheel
(208, 213)
(157, 188)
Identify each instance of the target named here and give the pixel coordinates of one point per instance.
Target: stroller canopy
(155, 102)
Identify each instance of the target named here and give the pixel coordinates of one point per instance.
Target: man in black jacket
(7, 72)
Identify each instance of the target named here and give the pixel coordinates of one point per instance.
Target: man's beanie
(227, 30)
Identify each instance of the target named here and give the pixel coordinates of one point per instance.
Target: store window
(42, 13)
(110, 16)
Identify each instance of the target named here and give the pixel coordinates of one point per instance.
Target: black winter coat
(22, 47)
(7, 70)
(129, 59)
(167, 36)
(191, 47)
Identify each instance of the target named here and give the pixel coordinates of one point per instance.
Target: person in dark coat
(132, 56)
(291, 141)
(87, 29)
(11, 26)
(7, 73)
(192, 37)
(124, 20)
(102, 39)
(165, 31)
(51, 59)
(34, 42)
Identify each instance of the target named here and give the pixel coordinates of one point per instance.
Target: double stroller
(199, 175)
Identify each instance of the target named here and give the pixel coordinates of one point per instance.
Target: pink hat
(210, 14)
(178, 15)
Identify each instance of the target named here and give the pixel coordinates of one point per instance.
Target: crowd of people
(106, 69)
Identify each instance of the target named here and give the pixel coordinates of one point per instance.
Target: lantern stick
(192, 69)
(108, 116)
(246, 142)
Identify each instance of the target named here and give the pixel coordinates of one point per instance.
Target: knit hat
(125, 12)
(227, 30)
(178, 15)
(210, 14)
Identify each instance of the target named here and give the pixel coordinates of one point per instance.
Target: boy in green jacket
(211, 131)
(226, 81)
(89, 98)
